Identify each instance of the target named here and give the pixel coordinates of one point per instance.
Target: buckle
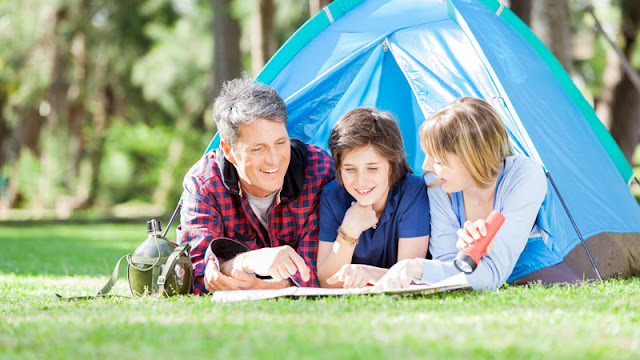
(161, 280)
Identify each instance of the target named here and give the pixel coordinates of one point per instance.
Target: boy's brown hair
(369, 127)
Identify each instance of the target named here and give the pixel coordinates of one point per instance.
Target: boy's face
(365, 175)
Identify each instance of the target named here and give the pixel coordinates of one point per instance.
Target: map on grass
(456, 282)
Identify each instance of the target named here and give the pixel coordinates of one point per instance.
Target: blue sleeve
(414, 221)
(331, 212)
(519, 198)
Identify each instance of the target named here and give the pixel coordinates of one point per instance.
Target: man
(260, 190)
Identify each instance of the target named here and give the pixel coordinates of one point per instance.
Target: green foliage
(517, 322)
(24, 74)
(196, 143)
(592, 69)
(28, 174)
(290, 15)
(135, 157)
(173, 72)
(133, 161)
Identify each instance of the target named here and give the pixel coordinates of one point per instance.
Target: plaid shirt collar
(293, 179)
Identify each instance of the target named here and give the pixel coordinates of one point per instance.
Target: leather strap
(105, 289)
(168, 266)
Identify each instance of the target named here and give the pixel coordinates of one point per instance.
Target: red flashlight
(468, 258)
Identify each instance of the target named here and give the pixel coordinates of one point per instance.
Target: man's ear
(226, 148)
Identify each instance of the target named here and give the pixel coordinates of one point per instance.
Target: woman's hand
(355, 275)
(471, 232)
(400, 275)
(357, 219)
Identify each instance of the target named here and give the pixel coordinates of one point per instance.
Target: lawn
(580, 322)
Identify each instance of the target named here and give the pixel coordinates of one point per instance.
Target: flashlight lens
(463, 265)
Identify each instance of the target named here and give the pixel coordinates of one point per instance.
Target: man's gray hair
(242, 101)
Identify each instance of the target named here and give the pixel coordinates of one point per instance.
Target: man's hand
(353, 276)
(399, 275)
(215, 280)
(280, 263)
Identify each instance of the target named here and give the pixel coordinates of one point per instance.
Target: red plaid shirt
(213, 206)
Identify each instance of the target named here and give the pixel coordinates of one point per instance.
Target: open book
(456, 282)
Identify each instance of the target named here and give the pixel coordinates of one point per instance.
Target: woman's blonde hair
(471, 129)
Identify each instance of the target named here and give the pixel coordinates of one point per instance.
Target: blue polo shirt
(406, 215)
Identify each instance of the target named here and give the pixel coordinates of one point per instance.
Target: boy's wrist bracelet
(350, 241)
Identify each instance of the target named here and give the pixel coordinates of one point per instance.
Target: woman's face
(451, 173)
(365, 175)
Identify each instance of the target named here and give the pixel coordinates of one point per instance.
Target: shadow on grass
(68, 250)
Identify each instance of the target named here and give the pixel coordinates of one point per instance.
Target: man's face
(261, 156)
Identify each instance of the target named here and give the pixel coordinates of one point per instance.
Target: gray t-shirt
(261, 206)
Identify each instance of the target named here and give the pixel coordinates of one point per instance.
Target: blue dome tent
(412, 57)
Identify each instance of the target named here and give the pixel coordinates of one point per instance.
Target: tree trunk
(625, 113)
(262, 35)
(550, 21)
(316, 5)
(29, 131)
(4, 130)
(522, 8)
(100, 122)
(77, 109)
(603, 104)
(55, 134)
(227, 63)
(4, 156)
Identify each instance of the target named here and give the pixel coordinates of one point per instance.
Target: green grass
(578, 322)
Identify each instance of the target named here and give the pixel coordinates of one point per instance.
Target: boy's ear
(226, 148)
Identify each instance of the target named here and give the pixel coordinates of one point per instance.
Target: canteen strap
(171, 262)
(104, 292)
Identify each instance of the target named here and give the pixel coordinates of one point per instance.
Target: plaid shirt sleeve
(319, 172)
(201, 222)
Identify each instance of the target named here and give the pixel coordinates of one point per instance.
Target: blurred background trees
(104, 104)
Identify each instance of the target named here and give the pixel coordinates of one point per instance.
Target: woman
(472, 172)
(373, 214)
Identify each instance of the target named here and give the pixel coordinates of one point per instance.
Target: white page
(453, 283)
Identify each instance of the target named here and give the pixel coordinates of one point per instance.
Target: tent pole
(566, 209)
(173, 217)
